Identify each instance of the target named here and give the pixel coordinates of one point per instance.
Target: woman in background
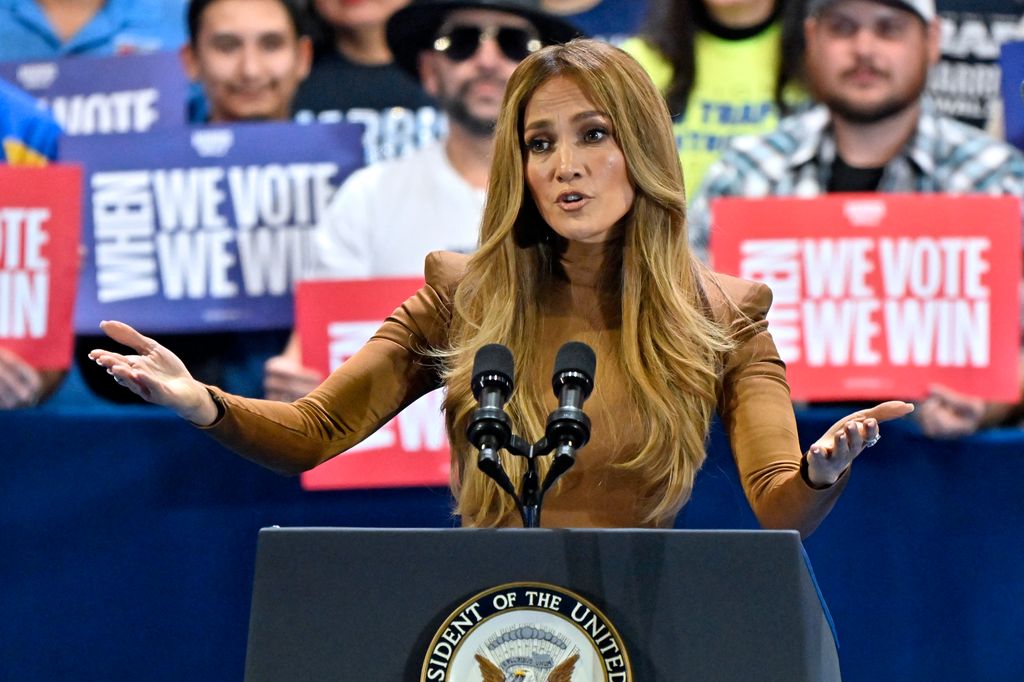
(354, 78)
(725, 67)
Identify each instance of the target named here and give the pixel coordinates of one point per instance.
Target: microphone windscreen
(576, 356)
(494, 358)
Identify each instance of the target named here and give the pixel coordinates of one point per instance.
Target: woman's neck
(366, 46)
(591, 264)
(737, 22)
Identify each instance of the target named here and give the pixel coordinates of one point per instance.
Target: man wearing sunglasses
(387, 217)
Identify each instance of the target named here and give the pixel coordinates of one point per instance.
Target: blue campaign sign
(205, 228)
(1011, 61)
(103, 95)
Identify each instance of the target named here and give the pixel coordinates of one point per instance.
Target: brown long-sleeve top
(391, 371)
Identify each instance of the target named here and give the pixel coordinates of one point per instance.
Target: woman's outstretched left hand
(831, 454)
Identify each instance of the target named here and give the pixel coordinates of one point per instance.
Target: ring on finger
(873, 441)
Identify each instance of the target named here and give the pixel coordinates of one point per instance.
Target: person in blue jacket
(49, 29)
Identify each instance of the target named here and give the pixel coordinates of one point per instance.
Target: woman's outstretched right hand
(155, 374)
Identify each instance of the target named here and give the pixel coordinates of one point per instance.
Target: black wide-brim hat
(413, 28)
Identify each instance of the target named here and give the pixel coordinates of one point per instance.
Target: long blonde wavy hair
(670, 350)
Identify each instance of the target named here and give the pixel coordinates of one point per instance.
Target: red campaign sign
(334, 319)
(882, 295)
(40, 220)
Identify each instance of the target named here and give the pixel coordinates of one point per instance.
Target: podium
(394, 605)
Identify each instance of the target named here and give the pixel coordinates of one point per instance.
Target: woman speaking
(583, 238)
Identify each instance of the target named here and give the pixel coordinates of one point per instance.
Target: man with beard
(386, 218)
(867, 63)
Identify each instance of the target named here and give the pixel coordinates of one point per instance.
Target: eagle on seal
(560, 673)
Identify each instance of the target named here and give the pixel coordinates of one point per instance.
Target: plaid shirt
(944, 155)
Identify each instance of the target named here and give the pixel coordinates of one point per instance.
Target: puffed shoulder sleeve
(394, 368)
(757, 413)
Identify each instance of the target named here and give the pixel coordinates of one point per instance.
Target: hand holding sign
(155, 374)
(21, 385)
(831, 454)
(285, 378)
(946, 413)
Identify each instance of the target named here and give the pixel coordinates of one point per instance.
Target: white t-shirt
(386, 218)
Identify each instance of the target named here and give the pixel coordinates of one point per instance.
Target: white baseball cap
(922, 8)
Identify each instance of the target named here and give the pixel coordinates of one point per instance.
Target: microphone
(489, 430)
(568, 428)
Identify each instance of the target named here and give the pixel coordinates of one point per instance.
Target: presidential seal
(527, 632)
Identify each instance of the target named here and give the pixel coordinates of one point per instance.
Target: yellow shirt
(733, 94)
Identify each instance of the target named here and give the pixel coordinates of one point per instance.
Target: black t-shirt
(396, 114)
(847, 178)
(336, 84)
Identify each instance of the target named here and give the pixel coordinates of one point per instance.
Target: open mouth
(572, 201)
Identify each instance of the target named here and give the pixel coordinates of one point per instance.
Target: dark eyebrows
(224, 39)
(581, 116)
(231, 38)
(274, 37)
